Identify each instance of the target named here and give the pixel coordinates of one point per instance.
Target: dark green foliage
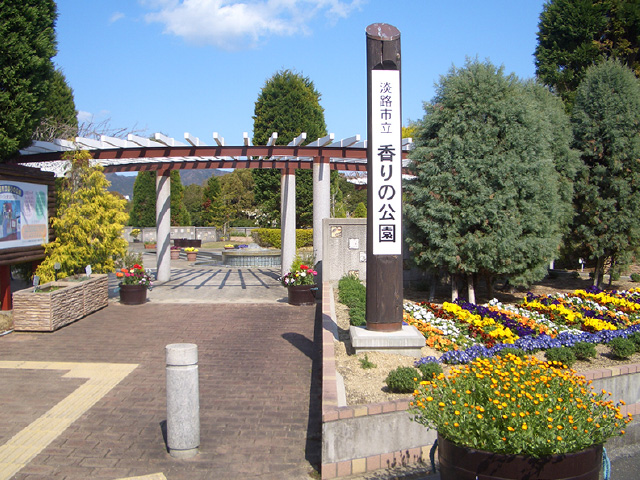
(193, 203)
(272, 237)
(622, 347)
(179, 214)
(518, 352)
(575, 34)
(360, 211)
(488, 199)
(143, 213)
(212, 208)
(429, 370)
(635, 338)
(563, 355)
(606, 120)
(584, 350)
(353, 294)
(26, 70)
(366, 364)
(288, 104)
(402, 380)
(635, 277)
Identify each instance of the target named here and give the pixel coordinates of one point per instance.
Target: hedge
(270, 237)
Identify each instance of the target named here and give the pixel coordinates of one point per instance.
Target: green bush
(402, 380)
(357, 316)
(428, 370)
(584, 350)
(622, 347)
(518, 352)
(561, 354)
(635, 338)
(365, 363)
(635, 277)
(271, 237)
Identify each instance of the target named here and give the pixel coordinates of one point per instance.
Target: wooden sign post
(384, 179)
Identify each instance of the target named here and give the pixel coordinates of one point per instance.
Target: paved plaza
(89, 401)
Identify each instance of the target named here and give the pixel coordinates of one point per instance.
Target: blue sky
(198, 66)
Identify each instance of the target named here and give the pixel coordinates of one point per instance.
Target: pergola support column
(288, 218)
(321, 204)
(163, 225)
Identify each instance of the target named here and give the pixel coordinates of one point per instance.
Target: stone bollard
(183, 404)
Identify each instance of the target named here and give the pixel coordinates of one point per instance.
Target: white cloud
(115, 17)
(239, 24)
(84, 116)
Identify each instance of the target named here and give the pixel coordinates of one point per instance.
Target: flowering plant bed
(464, 331)
(507, 404)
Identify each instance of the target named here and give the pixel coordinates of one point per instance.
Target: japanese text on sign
(386, 163)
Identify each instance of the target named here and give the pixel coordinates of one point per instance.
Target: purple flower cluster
(530, 344)
(499, 317)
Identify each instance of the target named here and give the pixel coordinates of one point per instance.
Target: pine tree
(486, 197)
(88, 224)
(179, 214)
(212, 214)
(606, 120)
(288, 104)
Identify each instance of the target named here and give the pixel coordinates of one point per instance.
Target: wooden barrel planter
(133, 294)
(464, 463)
(302, 294)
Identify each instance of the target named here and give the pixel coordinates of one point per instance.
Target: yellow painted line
(153, 476)
(31, 440)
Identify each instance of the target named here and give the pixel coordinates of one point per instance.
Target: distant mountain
(124, 183)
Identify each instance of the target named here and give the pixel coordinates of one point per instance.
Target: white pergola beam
(218, 139)
(298, 140)
(143, 142)
(245, 139)
(168, 141)
(346, 142)
(321, 142)
(116, 142)
(195, 141)
(272, 139)
(90, 143)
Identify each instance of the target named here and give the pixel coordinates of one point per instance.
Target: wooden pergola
(163, 154)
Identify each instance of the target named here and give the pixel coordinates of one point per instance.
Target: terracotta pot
(175, 254)
(302, 294)
(133, 294)
(462, 463)
(191, 256)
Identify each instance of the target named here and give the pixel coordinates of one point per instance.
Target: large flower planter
(302, 294)
(133, 294)
(175, 254)
(463, 463)
(59, 303)
(191, 256)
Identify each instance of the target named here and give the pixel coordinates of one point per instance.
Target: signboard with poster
(24, 219)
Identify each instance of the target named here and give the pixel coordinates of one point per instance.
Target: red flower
(303, 267)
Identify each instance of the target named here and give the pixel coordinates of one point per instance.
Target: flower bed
(465, 331)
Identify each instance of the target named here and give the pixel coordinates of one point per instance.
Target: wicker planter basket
(58, 303)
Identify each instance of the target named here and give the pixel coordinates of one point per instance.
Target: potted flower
(229, 246)
(509, 417)
(134, 282)
(175, 252)
(192, 253)
(301, 285)
(149, 245)
(134, 234)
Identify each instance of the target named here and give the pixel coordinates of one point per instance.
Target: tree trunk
(432, 287)
(471, 292)
(454, 287)
(597, 272)
(489, 286)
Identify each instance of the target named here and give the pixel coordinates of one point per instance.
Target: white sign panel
(386, 149)
(23, 214)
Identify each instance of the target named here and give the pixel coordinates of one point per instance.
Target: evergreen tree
(179, 214)
(26, 70)
(486, 197)
(574, 34)
(60, 116)
(288, 104)
(606, 120)
(143, 213)
(193, 203)
(212, 214)
(88, 224)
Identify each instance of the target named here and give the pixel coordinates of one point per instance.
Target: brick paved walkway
(256, 392)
